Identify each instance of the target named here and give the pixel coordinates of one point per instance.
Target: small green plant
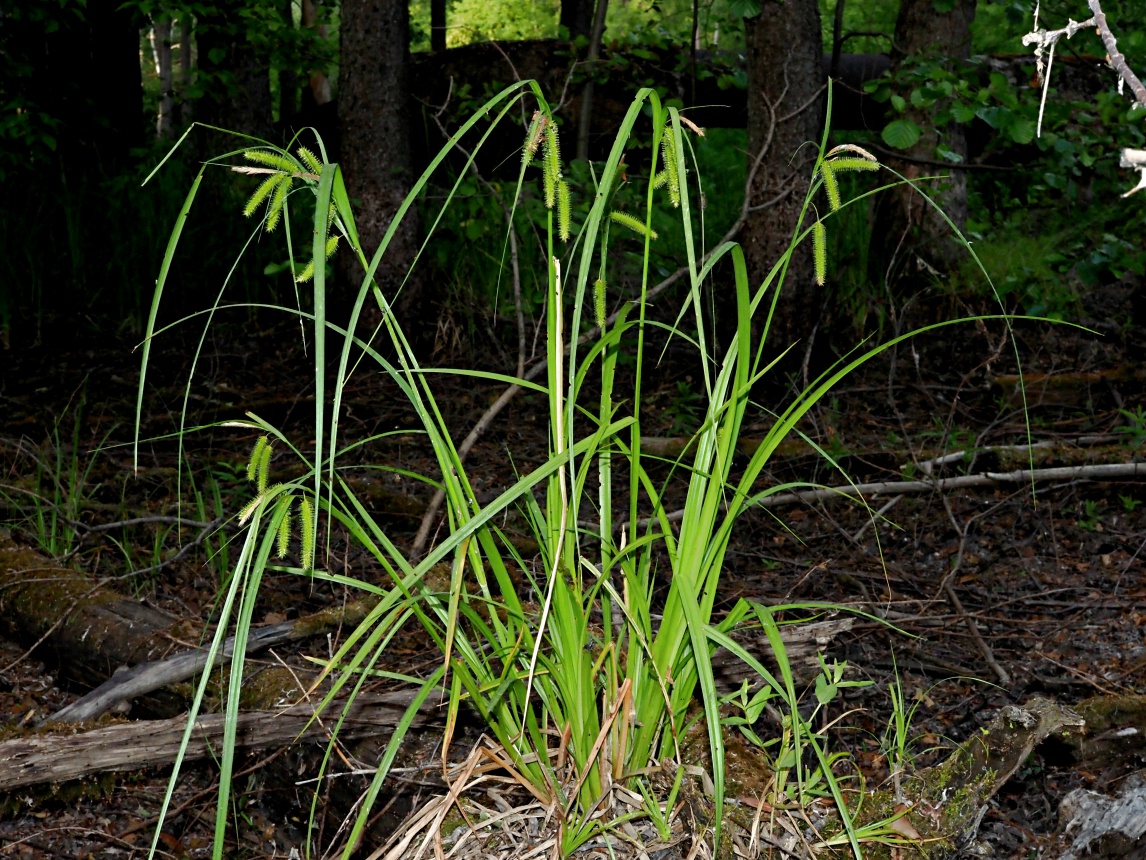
(599, 683)
(1089, 521)
(52, 498)
(685, 408)
(1134, 430)
(1129, 503)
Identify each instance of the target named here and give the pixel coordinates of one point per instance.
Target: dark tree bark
(786, 99)
(923, 32)
(88, 76)
(373, 118)
(236, 78)
(577, 17)
(437, 25)
(317, 92)
(288, 79)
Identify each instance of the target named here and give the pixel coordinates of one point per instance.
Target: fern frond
(627, 220)
(820, 251)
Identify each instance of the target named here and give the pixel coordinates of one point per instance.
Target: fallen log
(941, 807)
(88, 629)
(52, 756)
(130, 683)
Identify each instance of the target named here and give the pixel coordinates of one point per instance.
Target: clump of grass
(587, 691)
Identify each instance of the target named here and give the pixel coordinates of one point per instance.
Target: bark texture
(88, 630)
(910, 223)
(51, 756)
(236, 77)
(785, 110)
(577, 17)
(374, 123)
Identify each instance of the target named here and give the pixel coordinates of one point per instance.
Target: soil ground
(1000, 592)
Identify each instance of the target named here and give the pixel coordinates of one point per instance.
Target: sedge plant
(590, 688)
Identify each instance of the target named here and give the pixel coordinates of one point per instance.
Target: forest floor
(1001, 592)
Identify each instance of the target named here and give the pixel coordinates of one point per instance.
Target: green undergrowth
(590, 686)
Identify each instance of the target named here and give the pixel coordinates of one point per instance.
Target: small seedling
(1134, 430)
(1089, 520)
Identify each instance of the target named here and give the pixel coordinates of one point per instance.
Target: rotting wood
(943, 805)
(1115, 733)
(1061, 389)
(89, 629)
(130, 683)
(49, 757)
(1095, 826)
(94, 633)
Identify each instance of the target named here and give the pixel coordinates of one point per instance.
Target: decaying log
(1095, 826)
(1115, 733)
(88, 629)
(802, 643)
(943, 805)
(94, 632)
(50, 757)
(129, 683)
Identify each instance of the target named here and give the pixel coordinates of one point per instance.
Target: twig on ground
(1104, 471)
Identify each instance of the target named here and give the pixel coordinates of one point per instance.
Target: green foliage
(1090, 519)
(470, 21)
(1042, 257)
(537, 675)
(1134, 429)
(867, 26)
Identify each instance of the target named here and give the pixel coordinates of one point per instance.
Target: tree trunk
(236, 78)
(373, 97)
(288, 78)
(161, 46)
(186, 28)
(785, 110)
(317, 92)
(437, 25)
(908, 221)
(577, 17)
(585, 110)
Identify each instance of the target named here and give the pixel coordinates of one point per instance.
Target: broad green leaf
(1022, 130)
(744, 8)
(901, 134)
